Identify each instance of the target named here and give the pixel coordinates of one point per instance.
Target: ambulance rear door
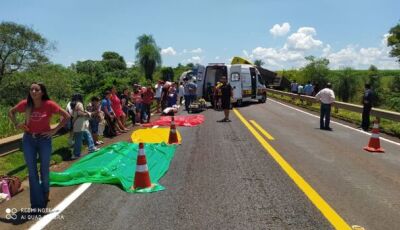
(235, 79)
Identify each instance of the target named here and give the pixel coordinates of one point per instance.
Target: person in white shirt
(326, 97)
(157, 96)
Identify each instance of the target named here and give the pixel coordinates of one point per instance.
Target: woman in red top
(117, 108)
(38, 109)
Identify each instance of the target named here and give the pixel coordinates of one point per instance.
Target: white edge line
(60, 207)
(360, 131)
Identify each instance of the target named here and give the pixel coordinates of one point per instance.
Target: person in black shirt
(227, 93)
(367, 106)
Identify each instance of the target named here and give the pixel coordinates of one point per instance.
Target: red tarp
(188, 121)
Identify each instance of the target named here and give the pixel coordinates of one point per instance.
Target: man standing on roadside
(227, 94)
(367, 106)
(326, 97)
(158, 89)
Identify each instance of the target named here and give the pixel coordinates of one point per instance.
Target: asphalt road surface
(223, 178)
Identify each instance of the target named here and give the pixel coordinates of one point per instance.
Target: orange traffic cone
(374, 144)
(142, 177)
(173, 136)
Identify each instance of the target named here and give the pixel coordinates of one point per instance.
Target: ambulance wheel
(239, 103)
(263, 99)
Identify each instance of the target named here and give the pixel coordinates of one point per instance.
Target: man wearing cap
(326, 97)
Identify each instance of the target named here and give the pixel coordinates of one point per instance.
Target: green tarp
(116, 164)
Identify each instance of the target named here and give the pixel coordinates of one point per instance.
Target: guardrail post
(336, 108)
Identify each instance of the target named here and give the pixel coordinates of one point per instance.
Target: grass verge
(14, 163)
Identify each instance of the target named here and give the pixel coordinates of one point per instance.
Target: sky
(350, 33)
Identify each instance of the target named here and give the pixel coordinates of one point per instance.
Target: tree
(95, 68)
(112, 61)
(259, 62)
(347, 84)
(148, 56)
(394, 41)
(190, 65)
(60, 83)
(316, 70)
(167, 74)
(20, 48)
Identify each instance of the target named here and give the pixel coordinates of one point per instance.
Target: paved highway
(222, 177)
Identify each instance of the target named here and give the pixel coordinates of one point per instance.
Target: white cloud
(217, 58)
(185, 51)
(168, 51)
(303, 43)
(129, 64)
(303, 39)
(278, 58)
(195, 60)
(197, 51)
(278, 30)
(362, 58)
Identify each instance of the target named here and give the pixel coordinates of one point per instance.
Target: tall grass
(6, 127)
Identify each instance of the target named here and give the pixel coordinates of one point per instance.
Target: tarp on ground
(156, 135)
(116, 164)
(181, 120)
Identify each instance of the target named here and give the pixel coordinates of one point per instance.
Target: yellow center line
(329, 213)
(265, 133)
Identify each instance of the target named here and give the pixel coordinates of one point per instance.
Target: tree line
(24, 59)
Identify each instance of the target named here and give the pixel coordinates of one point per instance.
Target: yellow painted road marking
(315, 198)
(265, 133)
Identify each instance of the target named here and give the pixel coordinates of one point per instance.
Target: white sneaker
(95, 149)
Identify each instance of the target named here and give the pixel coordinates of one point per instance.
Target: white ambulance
(245, 80)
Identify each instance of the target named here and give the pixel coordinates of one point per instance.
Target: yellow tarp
(156, 135)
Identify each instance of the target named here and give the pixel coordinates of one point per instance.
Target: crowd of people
(308, 89)
(110, 114)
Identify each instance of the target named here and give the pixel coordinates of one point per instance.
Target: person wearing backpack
(38, 109)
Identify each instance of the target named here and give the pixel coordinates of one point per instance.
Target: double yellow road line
(329, 213)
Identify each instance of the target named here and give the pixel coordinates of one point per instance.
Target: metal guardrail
(13, 143)
(381, 113)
